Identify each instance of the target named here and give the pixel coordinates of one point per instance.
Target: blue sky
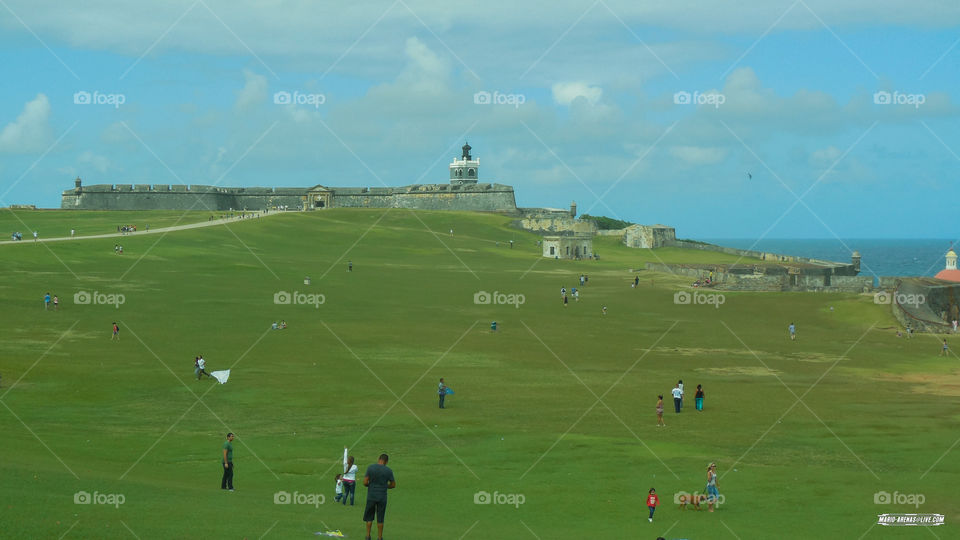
(788, 91)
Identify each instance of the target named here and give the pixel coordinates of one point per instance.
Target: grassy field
(556, 406)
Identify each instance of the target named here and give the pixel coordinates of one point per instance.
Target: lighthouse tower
(464, 170)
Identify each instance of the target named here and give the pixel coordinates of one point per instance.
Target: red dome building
(950, 273)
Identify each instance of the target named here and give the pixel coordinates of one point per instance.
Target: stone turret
(573, 209)
(855, 259)
(79, 188)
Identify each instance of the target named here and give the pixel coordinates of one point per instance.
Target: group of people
(677, 393)
(573, 291)
(48, 300)
(118, 249)
(282, 325)
(712, 491)
(125, 229)
(377, 479)
(17, 236)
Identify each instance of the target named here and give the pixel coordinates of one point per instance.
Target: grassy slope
(124, 416)
(54, 223)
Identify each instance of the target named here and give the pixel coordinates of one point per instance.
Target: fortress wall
(480, 201)
(176, 199)
(557, 223)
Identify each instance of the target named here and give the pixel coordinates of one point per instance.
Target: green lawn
(558, 405)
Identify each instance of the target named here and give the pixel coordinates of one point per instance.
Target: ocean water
(899, 257)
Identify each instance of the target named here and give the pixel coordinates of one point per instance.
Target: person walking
(56, 303)
(116, 332)
(698, 398)
(945, 350)
(201, 367)
(227, 481)
(677, 395)
(46, 302)
(349, 477)
(652, 502)
(660, 411)
(680, 386)
(793, 331)
(442, 391)
(712, 488)
(378, 479)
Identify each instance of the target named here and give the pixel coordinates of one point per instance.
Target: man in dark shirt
(378, 479)
(227, 481)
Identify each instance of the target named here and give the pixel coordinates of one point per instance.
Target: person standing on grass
(660, 411)
(227, 481)
(680, 386)
(56, 303)
(793, 331)
(698, 398)
(349, 477)
(378, 479)
(677, 396)
(442, 391)
(712, 487)
(46, 301)
(945, 350)
(652, 502)
(116, 332)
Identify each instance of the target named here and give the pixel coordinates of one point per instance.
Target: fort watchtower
(464, 170)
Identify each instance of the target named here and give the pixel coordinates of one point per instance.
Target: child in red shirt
(652, 502)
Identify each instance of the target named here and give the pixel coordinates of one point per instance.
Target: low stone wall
(745, 278)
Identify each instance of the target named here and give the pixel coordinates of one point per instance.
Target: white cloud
(31, 131)
(565, 93)
(253, 93)
(98, 163)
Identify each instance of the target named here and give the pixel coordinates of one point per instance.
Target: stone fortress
(463, 192)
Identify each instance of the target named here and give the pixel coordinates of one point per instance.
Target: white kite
(221, 376)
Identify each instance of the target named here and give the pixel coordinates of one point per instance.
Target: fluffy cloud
(253, 93)
(31, 131)
(565, 93)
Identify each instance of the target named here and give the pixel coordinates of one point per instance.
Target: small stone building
(568, 246)
(649, 236)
